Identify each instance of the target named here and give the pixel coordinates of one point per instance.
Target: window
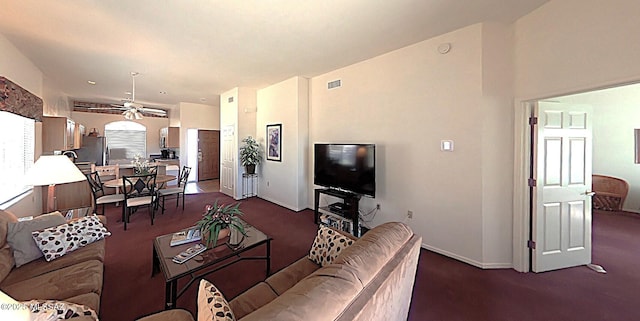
(125, 139)
(17, 140)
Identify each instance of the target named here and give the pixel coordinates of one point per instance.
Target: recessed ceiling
(195, 50)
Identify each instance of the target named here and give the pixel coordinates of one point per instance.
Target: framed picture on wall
(274, 142)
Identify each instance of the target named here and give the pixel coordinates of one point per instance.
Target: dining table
(160, 180)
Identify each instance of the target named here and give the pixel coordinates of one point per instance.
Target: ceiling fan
(131, 109)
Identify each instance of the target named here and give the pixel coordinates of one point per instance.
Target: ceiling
(193, 50)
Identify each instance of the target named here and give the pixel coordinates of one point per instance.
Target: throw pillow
(57, 241)
(327, 245)
(58, 310)
(212, 306)
(19, 237)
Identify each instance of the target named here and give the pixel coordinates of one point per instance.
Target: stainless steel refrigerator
(94, 150)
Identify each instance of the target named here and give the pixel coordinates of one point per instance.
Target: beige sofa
(370, 280)
(75, 277)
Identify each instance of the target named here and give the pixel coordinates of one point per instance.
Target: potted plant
(217, 221)
(250, 154)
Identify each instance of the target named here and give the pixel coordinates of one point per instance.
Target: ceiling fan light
(138, 115)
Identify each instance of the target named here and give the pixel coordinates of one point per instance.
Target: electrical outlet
(377, 206)
(410, 214)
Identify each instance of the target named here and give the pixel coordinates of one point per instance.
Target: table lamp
(51, 170)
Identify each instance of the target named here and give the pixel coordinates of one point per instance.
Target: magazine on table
(189, 253)
(185, 236)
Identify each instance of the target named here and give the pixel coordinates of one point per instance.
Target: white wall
(286, 103)
(406, 102)
(616, 114)
(241, 114)
(572, 45)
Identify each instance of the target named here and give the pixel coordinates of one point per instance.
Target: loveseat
(372, 279)
(75, 277)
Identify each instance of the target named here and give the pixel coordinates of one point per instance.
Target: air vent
(334, 84)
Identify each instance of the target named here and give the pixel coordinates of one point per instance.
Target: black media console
(347, 210)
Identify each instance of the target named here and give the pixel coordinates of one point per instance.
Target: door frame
(524, 108)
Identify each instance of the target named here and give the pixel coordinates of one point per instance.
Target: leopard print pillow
(58, 310)
(212, 306)
(56, 241)
(327, 245)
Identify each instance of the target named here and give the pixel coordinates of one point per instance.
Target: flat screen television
(348, 167)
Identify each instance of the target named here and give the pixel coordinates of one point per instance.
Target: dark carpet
(445, 289)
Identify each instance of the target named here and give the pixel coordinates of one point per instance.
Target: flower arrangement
(140, 166)
(218, 217)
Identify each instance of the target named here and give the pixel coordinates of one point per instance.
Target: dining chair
(139, 190)
(99, 196)
(178, 190)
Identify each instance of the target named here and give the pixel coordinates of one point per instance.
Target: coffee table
(206, 262)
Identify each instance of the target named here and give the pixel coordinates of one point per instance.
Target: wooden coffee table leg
(268, 257)
(170, 294)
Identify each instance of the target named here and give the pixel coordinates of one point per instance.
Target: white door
(227, 160)
(562, 211)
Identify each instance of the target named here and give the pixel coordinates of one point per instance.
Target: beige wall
(406, 102)
(286, 182)
(195, 116)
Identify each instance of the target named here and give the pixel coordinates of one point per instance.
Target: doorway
(615, 117)
(208, 154)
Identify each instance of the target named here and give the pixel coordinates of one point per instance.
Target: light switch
(446, 145)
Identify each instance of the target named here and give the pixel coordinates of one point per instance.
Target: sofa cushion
(374, 249)
(323, 295)
(94, 251)
(70, 281)
(59, 310)
(284, 279)
(59, 240)
(20, 240)
(212, 306)
(327, 245)
(252, 299)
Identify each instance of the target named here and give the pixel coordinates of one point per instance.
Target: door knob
(589, 193)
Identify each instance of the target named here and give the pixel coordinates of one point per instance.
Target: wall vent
(230, 99)
(334, 84)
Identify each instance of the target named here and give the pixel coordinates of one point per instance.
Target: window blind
(17, 141)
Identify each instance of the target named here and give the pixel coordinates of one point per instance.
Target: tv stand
(349, 210)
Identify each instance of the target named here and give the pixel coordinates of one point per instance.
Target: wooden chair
(610, 192)
(139, 190)
(178, 190)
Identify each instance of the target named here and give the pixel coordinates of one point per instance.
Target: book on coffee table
(189, 253)
(186, 236)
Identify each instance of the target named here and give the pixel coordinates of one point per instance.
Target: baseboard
(287, 206)
(468, 260)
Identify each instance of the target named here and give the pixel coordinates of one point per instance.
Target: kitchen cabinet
(78, 135)
(170, 137)
(61, 133)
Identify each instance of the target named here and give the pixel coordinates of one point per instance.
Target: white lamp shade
(12, 310)
(53, 169)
